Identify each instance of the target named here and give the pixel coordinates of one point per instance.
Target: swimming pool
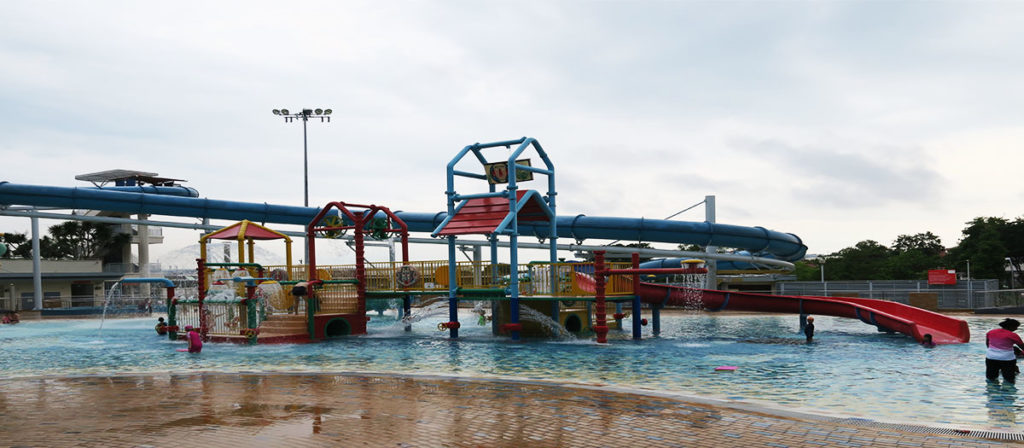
(851, 370)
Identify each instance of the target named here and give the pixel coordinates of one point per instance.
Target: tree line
(994, 248)
(71, 240)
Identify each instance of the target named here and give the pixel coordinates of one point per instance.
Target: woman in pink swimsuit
(1000, 358)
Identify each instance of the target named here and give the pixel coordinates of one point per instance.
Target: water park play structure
(303, 303)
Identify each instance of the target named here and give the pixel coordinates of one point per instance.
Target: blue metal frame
(508, 226)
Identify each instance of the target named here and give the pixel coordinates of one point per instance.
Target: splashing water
(437, 308)
(220, 280)
(272, 296)
(550, 326)
(692, 292)
(114, 289)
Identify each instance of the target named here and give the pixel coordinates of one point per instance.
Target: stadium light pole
(304, 116)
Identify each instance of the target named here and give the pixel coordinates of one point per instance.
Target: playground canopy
(246, 231)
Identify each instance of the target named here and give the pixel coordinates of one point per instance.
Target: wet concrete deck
(314, 410)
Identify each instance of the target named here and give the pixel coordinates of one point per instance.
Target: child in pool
(809, 329)
(927, 342)
(195, 342)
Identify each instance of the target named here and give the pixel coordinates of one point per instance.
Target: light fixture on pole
(304, 116)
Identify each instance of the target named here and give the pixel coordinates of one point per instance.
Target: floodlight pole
(305, 161)
(324, 115)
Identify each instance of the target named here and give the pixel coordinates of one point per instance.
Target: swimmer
(809, 329)
(161, 327)
(927, 342)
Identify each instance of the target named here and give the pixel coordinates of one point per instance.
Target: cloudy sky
(838, 121)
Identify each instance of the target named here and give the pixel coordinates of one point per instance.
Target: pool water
(850, 370)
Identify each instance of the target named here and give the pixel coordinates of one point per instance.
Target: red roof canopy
(483, 215)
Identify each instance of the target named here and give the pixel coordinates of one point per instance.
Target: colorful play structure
(254, 303)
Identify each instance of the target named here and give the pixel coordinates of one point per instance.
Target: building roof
(100, 178)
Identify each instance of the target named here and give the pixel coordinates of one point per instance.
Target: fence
(971, 294)
(224, 317)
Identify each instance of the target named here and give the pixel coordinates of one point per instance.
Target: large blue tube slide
(757, 240)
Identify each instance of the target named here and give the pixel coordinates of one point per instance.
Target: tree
(807, 270)
(926, 243)
(982, 244)
(913, 255)
(78, 240)
(1013, 240)
(18, 245)
(866, 260)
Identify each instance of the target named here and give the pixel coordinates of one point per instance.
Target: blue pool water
(851, 369)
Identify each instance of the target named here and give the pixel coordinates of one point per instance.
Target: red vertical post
(201, 279)
(201, 284)
(311, 262)
(599, 273)
(405, 246)
(636, 298)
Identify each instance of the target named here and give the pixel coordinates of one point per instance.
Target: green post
(251, 319)
(171, 319)
(251, 313)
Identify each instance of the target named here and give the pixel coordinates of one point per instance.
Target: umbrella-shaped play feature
(246, 233)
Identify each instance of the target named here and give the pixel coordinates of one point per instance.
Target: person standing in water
(1000, 358)
(161, 327)
(195, 342)
(809, 329)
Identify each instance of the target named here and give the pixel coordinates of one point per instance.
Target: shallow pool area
(850, 370)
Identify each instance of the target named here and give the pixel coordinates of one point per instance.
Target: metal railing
(971, 294)
(546, 279)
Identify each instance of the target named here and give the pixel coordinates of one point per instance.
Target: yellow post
(288, 257)
(242, 227)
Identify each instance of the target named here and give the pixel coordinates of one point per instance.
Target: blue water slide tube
(757, 240)
(162, 281)
(720, 265)
(177, 190)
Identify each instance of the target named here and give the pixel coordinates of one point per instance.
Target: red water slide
(885, 315)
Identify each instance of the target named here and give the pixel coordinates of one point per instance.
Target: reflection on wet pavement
(359, 410)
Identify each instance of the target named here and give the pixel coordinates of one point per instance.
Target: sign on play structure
(407, 276)
(497, 173)
(942, 276)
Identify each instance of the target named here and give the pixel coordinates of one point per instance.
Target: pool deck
(314, 410)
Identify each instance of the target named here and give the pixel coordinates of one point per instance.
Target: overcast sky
(836, 121)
